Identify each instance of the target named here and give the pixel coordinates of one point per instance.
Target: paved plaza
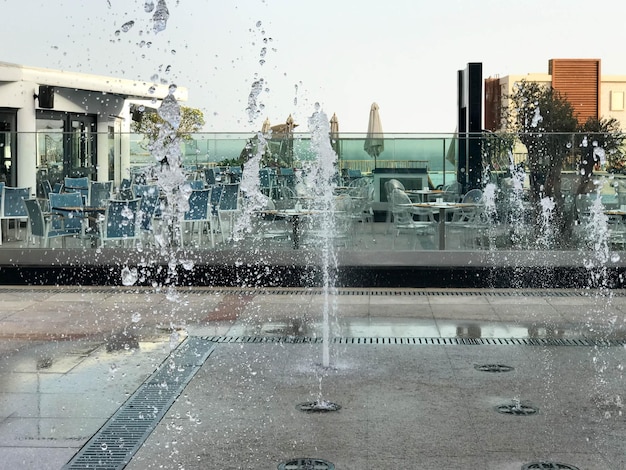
(425, 378)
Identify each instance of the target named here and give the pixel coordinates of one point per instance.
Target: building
(579, 80)
(56, 123)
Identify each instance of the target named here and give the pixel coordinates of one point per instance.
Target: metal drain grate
(118, 440)
(493, 368)
(517, 409)
(242, 291)
(306, 464)
(424, 341)
(318, 406)
(548, 466)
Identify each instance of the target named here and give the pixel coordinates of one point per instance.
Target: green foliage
(545, 123)
(605, 133)
(191, 120)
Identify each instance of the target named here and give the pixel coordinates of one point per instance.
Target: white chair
(404, 217)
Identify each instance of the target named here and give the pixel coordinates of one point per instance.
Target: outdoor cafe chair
(99, 193)
(12, 207)
(267, 181)
(80, 184)
(212, 176)
(200, 213)
(40, 224)
(403, 218)
(390, 186)
(149, 208)
(72, 220)
(229, 206)
(120, 223)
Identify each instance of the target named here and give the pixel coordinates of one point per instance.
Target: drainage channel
(124, 433)
(423, 341)
(505, 293)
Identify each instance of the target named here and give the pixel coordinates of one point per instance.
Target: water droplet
(148, 7)
(104, 446)
(258, 24)
(129, 276)
(136, 318)
(127, 26)
(160, 17)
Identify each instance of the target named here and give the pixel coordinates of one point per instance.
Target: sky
(343, 54)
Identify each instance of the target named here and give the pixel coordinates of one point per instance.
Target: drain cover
(517, 409)
(493, 368)
(548, 466)
(321, 406)
(306, 464)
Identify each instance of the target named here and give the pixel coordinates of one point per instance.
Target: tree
(604, 134)
(545, 123)
(191, 120)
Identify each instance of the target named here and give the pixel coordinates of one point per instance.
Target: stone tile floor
(69, 357)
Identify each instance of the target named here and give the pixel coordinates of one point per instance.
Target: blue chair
(200, 212)
(228, 206)
(126, 191)
(41, 225)
(99, 193)
(287, 177)
(46, 188)
(235, 174)
(61, 204)
(80, 185)
(121, 221)
(12, 207)
(149, 206)
(196, 184)
(213, 176)
(267, 181)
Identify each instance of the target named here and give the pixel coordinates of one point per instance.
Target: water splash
(160, 17)
(322, 182)
(253, 106)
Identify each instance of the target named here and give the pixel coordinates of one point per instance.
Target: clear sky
(344, 54)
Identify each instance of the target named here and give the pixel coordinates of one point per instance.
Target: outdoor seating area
(86, 214)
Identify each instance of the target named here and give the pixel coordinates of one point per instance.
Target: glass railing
(512, 210)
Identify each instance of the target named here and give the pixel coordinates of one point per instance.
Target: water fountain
(320, 178)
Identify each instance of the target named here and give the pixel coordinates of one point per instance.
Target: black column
(470, 113)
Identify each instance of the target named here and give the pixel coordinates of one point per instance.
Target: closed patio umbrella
(334, 133)
(374, 140)
(265, 128)
(283, 135)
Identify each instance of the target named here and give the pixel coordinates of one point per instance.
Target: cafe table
(425, 195)
(85, 213)
(443, 208)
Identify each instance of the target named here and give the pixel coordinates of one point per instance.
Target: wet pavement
(402, 367)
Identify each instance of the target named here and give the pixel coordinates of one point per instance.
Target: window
(617, 101)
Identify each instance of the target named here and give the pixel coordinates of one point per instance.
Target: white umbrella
(265, 128)
(334, 133)
(374, 141)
